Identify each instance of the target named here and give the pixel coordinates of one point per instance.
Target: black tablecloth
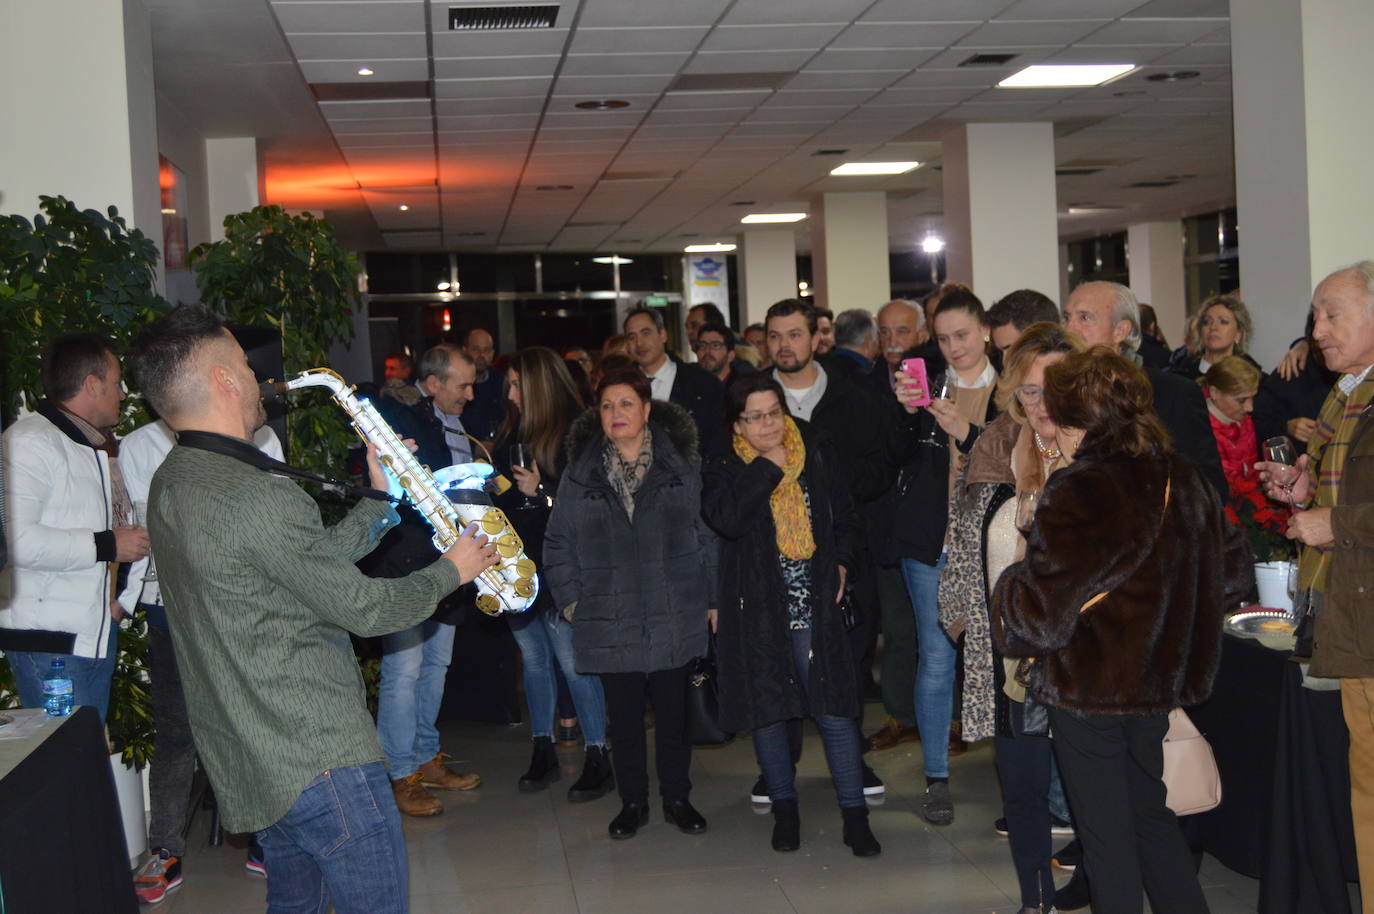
(61, 837)
(1285, 812)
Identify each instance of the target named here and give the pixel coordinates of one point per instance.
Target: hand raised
(472, 554)
(131, 543)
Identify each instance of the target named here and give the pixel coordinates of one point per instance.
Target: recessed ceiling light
(1065, 76)
(442, 287)
(707, 248)
(933, 244)
(604, 104)
(168, 212)
(403, 208)
(774, 217)
(1090, 210)
(614, 258)
(875, 168)
(1173, 76)
(366, 71)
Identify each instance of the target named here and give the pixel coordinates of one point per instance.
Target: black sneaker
(1069, 856)
(759, 795)
(1000, 826)
(937, 807)
(873, 785)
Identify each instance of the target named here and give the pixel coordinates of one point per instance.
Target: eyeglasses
(1029, 394)
(754, 418)
(709, 345)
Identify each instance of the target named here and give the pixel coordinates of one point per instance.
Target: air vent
(829, 152)
(1075, 172)
(1153, 184)
(369, 91)
(743, 202)
(987, 60)
(495, 18)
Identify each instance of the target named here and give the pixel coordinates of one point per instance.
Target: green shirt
(261, 597)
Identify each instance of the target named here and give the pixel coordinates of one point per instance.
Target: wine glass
(940, 390)
(520, 457)
(1026, 503)
(1279, 449)
(139, 518)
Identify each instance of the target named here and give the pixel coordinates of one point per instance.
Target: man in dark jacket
(482, 417)
(1106, 314)
(856, 345)
(689, 386)
(715, 349)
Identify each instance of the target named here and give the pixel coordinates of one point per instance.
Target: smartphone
(916, 370)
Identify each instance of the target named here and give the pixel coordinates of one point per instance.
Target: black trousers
(1023, 763)
(1111, 766)
(174, 753)
(667, 692)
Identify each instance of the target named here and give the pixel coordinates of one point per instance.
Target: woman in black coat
(633, 567)
(781, 503)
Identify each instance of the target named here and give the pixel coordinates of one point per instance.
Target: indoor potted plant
(1265, 524)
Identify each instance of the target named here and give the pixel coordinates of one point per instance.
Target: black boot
(597, 777)
(786, 825)
(857, 835)
(631, 818)
(684, 816)
(543, 767)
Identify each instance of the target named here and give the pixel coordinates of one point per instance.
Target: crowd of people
(1025, 501)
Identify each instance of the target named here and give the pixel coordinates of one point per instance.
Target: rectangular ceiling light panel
(1065, 76)
(496, 18)
(774, 217)
(875, 168)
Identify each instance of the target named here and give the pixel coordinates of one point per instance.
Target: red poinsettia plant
(1264, 521)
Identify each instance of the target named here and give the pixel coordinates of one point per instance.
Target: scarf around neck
(791, 520)
(626, 478)
(1327, 452)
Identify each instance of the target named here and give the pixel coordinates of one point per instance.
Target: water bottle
(57, 689)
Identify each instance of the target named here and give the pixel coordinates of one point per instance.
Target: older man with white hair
(1334, 485)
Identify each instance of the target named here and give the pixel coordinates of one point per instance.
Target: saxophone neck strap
(245, 452)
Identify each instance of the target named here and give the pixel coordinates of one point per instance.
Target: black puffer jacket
(757, 681)
(642, 587)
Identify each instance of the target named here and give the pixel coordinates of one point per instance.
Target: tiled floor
(496, 850)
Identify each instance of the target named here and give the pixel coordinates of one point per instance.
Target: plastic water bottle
(57, 689)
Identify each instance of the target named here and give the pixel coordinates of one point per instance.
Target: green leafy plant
(289, 272)
(130, 720)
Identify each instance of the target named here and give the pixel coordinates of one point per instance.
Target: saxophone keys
(523, 589)
(507, 546)
(493, 522)
(525, 569)
(489, 604)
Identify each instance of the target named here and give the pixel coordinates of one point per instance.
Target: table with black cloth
(1282, 753)
(61, 836)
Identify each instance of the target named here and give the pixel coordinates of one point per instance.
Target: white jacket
(58, 497)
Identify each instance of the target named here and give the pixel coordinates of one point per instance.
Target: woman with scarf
(781, 504)
(1230, 387)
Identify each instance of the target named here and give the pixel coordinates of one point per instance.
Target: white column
(767, 261)
(83, 124)
(1300, 72)
(231, 166)
(1154, 253)
(1001, 229)
(849, 251)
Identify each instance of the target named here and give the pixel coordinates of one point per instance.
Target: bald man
(482, 417)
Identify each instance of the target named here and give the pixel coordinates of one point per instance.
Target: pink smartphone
(916, 370)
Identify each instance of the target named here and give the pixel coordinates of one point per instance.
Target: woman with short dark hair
(632, 565)
(1130, 567)
(781, 504)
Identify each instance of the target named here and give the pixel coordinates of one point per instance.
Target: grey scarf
(626, 478)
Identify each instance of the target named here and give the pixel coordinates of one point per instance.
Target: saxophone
(450, 502)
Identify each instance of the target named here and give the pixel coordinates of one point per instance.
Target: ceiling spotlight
(803, 286)
(604, 104)
(365, 71)
(707, 248)
(1065, 76)
(933, 244)
(1173, 76)
(774, 217)
(614, 258)
(875, 168)
(1091, 210)
(403, 208)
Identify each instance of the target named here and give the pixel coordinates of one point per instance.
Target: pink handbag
(1190, 769)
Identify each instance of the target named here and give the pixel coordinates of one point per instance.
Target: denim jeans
(340, 843)
(90, 677)
(935, 665)
(414, 666)
(545, 638)
(838, 736)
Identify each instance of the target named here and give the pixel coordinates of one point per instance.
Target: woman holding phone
(930, 443)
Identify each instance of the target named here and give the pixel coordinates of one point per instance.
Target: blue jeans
(839, 736)
(339, 843)
(414, 666)
(934, 666)
(90, 677)
(544, 638)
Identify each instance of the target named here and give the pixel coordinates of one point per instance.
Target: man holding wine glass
(1333, 485)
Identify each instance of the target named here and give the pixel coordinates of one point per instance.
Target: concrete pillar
(1300, 72)
(1154, 253)
(231, 165)
(849, 251)
(1001, 228)
(81, 124)
(767, 260)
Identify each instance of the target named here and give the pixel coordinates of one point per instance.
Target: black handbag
(1035, 717)
(703, 705)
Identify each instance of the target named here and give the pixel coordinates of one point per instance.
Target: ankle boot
(857, 835)
(543, 767)
(631, 818)
(786, 825)
(597, 777)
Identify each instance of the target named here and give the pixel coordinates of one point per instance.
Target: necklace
(1048, 454)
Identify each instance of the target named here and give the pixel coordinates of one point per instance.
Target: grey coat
(642, 586)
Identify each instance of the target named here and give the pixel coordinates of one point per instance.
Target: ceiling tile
(903, 35)
(696, 116)
(412, 240)
(1110, 53)
(407, 108)
(610, 86)
(491, 67)
(870, 59)
(346, 71)
(416, 140)
(767, 12)
(806, 97)
(770, 37)
(522, 105)
(933, 10)
(363, 48)
(685, 130)
(650, 13)
(843, 79)
(1025, 56)
(487, 121)
(382, 125)
(1183, 9)
(491, 88)
(407, 16)
(747, 61)
(1197, 54)
(1068, 9)
(484, 44)
(1152, 31)
(1037, 32)
(800, 114)
(623, 64)
(645, 41)
(626, 117)
(743, 99)
(923, 95)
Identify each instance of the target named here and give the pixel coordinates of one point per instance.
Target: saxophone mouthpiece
(271, 389)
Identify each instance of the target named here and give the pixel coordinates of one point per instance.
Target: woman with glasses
(781, 504)
(993, 500)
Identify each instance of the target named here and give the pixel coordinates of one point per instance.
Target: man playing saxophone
(261, 597)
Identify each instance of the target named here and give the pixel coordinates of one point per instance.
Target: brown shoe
(891, 734)
(434, 773)
(412, 799)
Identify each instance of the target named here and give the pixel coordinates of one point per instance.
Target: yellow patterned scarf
(788, 502)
